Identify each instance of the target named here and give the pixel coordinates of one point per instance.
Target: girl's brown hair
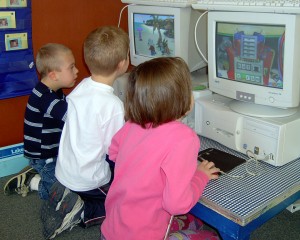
(159, 91)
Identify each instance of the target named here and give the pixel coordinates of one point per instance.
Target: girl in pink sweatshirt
(155, 155)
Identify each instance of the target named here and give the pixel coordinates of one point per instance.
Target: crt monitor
(254, 58)
(157, 31)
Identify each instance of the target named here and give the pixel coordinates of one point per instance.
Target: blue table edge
(229, 229)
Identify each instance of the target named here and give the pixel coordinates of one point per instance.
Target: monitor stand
(256, 110)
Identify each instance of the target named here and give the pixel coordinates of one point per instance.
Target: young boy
(44, 119)
(95, 114)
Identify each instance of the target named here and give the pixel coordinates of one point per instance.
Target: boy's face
(67, 75)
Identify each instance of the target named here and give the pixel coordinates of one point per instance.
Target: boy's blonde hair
(159, 91)
(47, 58)
(104, 49)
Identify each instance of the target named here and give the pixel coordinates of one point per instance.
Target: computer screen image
(153, 35)
(254, 58)
(157, 31)
(250, 53)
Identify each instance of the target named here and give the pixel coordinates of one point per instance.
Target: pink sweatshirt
(155, 177)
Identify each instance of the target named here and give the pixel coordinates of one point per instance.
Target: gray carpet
(20, 220)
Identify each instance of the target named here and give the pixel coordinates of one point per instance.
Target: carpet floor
(20, 220)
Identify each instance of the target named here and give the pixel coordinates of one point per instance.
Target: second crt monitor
(166, 31)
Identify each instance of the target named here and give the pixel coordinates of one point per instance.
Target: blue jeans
(46, 169)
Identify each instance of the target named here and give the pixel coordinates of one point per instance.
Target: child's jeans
(46, 169)
(94, 210)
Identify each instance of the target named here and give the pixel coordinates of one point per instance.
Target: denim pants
(46, 169)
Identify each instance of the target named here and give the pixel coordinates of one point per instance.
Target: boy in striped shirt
(45, 116)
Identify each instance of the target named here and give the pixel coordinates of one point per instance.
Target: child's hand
(209, 169)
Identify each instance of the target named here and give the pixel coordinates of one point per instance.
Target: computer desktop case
(275, 140)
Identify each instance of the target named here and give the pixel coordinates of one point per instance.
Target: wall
(67, 22)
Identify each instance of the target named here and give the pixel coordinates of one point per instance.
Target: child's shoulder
(42, 93)
(178, 130)
(39, 90)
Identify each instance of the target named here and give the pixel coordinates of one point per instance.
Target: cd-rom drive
(274, 139)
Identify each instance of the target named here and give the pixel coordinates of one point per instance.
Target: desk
(238, 206)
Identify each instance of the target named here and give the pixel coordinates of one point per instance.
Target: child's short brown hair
(104, 48)
(159, 91)
(47, 58)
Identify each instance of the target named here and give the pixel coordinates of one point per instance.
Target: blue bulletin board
(17, 69)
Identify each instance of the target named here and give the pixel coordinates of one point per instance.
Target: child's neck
(108, 80)
(50, 84)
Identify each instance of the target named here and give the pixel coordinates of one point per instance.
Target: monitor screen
(154, 35)
(158, 31)
(250, 53)
(254, 59)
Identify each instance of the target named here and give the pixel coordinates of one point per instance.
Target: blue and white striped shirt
(44, 119)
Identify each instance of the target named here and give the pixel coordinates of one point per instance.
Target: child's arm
(54, 106)
(209, 169)
(184, 183)
(113, 149)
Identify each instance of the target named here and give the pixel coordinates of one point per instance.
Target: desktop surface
(242, 200)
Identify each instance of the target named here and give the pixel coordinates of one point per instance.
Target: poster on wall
(13, 3)
(7, 20)
(16, 41)
(17, 69)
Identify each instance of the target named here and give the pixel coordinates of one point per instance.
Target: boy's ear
(52, 75)
(121, 64)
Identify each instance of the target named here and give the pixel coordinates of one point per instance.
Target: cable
(248, 172)
(195, 34)
(169, 227)
(252, 157)
(120, 16)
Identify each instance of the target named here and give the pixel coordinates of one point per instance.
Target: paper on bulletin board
(16, 41)
(7, 20)
(13, 3)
